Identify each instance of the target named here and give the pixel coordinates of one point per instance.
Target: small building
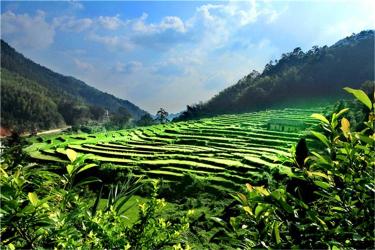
(286, 125)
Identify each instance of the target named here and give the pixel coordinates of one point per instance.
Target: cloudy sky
(173, 53)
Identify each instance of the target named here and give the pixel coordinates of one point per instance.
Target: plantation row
(225, 151)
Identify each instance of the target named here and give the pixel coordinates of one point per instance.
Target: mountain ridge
(62, 88)
(321, 72)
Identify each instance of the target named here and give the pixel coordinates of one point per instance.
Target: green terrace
(225, 150)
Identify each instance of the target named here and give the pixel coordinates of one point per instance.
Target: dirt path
(57, 130)
(51, 131)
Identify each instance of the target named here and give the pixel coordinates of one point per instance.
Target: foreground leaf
(345, 126)
(72, 155)
(320, 118)
(88, 166)
(321, 137)
(33, 198)
(360, 95)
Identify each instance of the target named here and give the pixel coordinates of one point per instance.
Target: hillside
(225, 151)
(75, 100)
(298, 76)
(24, 101)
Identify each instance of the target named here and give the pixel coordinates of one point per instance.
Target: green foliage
(361, 96)
(144, 231)
(145, 120)
(25, 105)
(322, 197)
(162, 116)
(329, 203)
(118, 120)
(41, 209)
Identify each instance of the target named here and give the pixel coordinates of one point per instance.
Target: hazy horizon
(171, 54)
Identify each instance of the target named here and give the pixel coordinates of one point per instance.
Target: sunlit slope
(226, 150)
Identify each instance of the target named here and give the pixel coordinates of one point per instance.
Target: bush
(326, 200)
(41, 209)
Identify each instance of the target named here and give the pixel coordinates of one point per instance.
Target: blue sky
(173, 53)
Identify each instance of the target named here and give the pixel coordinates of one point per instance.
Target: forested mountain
(24, 101)
(319, 73)
(33, 96)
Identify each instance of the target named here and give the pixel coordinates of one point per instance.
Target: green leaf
(88, 180)
(321, 137)
(334, 120)
(322, 184)
(340, 209)
(69, 169)
(342, 112)
(72, 155)
(317, 173)
(322, 159)
(365, 139)
(320, 118)
(86, 167)
(96, 204)
(277, 232)
(218, 220)
(33, 198)
(258, 210)
(360, 95)
(119, 204)
(322, 223)
(262, 191)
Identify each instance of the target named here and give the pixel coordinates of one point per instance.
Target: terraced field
(225, 150)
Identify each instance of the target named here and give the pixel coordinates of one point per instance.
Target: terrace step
(225, 151)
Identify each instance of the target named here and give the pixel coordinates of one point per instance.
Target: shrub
(327, 200)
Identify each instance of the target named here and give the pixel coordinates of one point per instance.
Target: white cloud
(217, 24)
(128, 68)
(140, 25)
(235, 13)
(76, 5)
(25, 31)
(191, 59)
(171, 22)
(138, 32)
(72, 24)
(83, 65)
(344, 28)
(211, 27)
(113, 42)
(272, 15)
(110, 22)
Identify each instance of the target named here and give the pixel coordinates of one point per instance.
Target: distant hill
(298, 76)
(28, 88)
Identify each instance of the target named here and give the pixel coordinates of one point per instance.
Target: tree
(162, 116)
(145, 120)
(119, 119)
(97, 113)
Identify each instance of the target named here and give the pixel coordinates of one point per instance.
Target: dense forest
(25, 102)
(316, 75)
(33, 96)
